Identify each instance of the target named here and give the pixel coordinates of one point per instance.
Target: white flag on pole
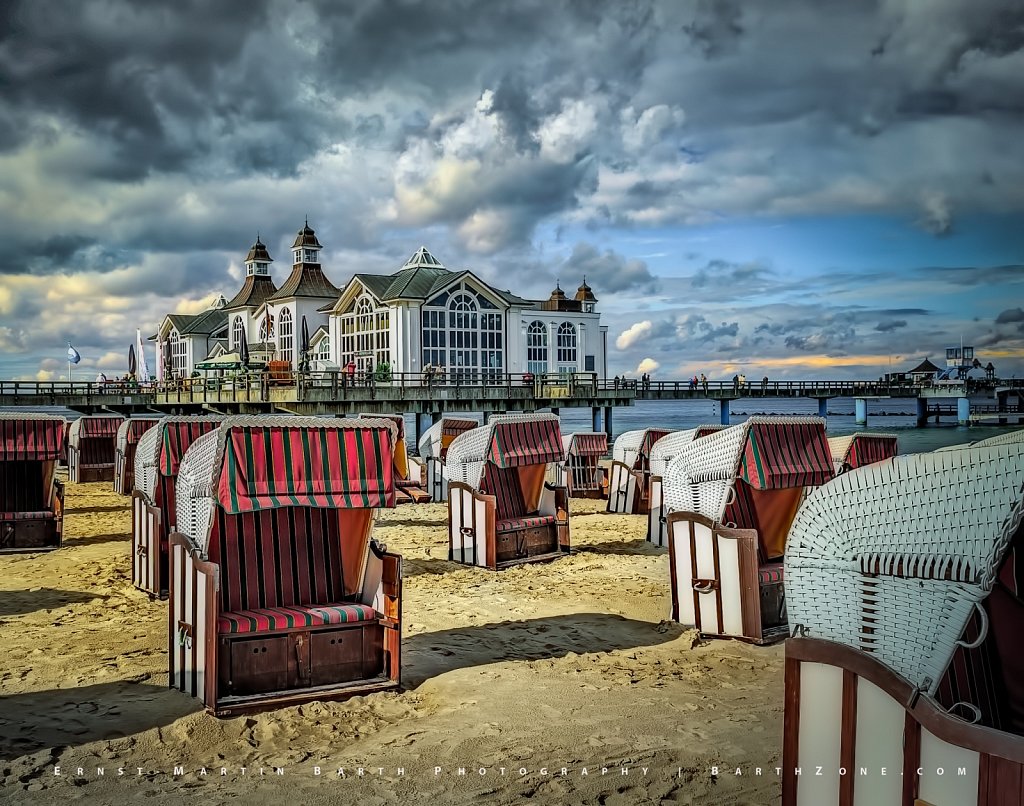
(140, 357)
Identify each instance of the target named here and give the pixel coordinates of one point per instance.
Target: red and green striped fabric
(100, 426)
(397, 419)
(869, 448)
(651, 436)
(525, 522)
(526, 442)
(503, 483)
(589, 445)
(338, 468)
(704, 430)
(177, 436)
(271, 619)
(782, 455)
(24, 439)
(453, 426)
(137, 426)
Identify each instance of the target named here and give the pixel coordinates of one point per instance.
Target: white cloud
(647, 365)
(563, 136)
(634, 334)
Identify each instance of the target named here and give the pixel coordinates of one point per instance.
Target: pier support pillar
(723, 411)
(435, 417)
(963, 411)
(487, 417)
(922, 412)
(555, 410)
(419, 428)
(823, 407)
(861, 410)
(595, 418)
(608, 421)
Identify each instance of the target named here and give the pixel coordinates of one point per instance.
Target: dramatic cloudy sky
(798, 188)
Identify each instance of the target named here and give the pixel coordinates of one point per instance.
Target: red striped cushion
(530, 522)
(769, 574)
(26, 516)
(269, 619)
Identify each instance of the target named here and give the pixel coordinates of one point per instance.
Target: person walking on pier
(764, 384)
(704, 382)
(735, 383)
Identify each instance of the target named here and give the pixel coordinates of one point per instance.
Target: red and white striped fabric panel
(589, 445)
(781, 455)
(525, 442)
(503, 483)
(868, 449)
(100, 426)
(137, 426)
(177, 437)
(29, 439)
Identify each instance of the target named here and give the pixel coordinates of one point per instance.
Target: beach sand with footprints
(566, 664)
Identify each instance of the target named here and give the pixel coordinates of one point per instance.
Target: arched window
(537, 348)
(465, 333)
(365, 337)
(285, 337)
(237, 333)
(566, 347)
(324, 353)
(463, 337)
(266, 329)
(179, 355)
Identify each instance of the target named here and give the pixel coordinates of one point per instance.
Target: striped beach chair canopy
(585, 443)
(439, 436)
(767, 453)
(632, 448)
(669, 446)
(31, 437)
(251, 464)
(159, 450)
(510, 440)
(94, 426)
(861, 448)
(132, 429)
(397, 419)
(893, 558)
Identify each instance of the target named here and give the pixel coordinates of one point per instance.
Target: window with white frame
(324, 351)
(365, 334)
(285, 334)
(237, 332)
(464, 332)
(266, 329)
(179, 355)
(566, 347)
(537, 347)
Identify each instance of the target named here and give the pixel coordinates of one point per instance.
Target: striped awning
(397, 419)
(780, 455)
(870, 448)
(525, 442)
(452, 427)
(177, 436)
(595, 444)
(137, 426)
(31, 439)
(100, 427)
(651, 435)
(337, 468)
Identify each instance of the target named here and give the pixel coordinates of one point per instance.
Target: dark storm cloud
(724, 273)
(608, 270)
(891, 325)
(1010, 315)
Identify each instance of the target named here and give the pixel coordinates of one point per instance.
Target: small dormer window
(310, 256)
(261, 268)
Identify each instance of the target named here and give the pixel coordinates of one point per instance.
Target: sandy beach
(570, 664)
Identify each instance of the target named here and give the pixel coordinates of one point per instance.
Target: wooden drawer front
(336, 656)
(373, 650)
(28, 534)
(526, 543)
(773, 605)
(262, 664)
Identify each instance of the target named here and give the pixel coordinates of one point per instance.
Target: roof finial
(307, 219)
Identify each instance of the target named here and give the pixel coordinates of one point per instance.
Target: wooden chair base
(22, 536)
(87, 475)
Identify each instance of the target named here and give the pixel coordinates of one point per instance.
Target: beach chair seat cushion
(27, 516)
(770, 574)
(273, 619)
(524, 522)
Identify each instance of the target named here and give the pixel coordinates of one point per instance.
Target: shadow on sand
(18, 603)
(427, 655)
(76, 716)
(87, 510)
(88, 540)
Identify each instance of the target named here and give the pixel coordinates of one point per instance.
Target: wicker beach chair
(128, 435)
(91, 448)
(664, 451)
(410, 475)
(580, 472)
(434, 450)
(861, 448)
(630, 473)
(278, 593)
(501, 509)
(886, 569)
(732, 496)
(157, 459)
(31, 497)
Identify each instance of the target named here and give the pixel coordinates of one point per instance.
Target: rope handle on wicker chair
(974, 709)
(705, 585)
(982, 634)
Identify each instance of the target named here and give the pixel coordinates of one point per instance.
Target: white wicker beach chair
(861, 448)
(581, 473)
(433, 446)
(664, 451)
(630, 472)
(732, 496)
(885, 568)
(91, 447)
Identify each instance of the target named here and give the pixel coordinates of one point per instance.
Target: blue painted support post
(487, 417)
(823, 407)
(861, 410)
(723, 411)
(922, 412)
(963, 411)
(595, 418)
(608, 422)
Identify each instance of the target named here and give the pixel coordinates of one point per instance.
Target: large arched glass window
(179, 355)
(266, 329)
(365, 336)
(237, 333)
(285, 335)
(537, 348)
(324, 351)
(464, 332)
(566, 347)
